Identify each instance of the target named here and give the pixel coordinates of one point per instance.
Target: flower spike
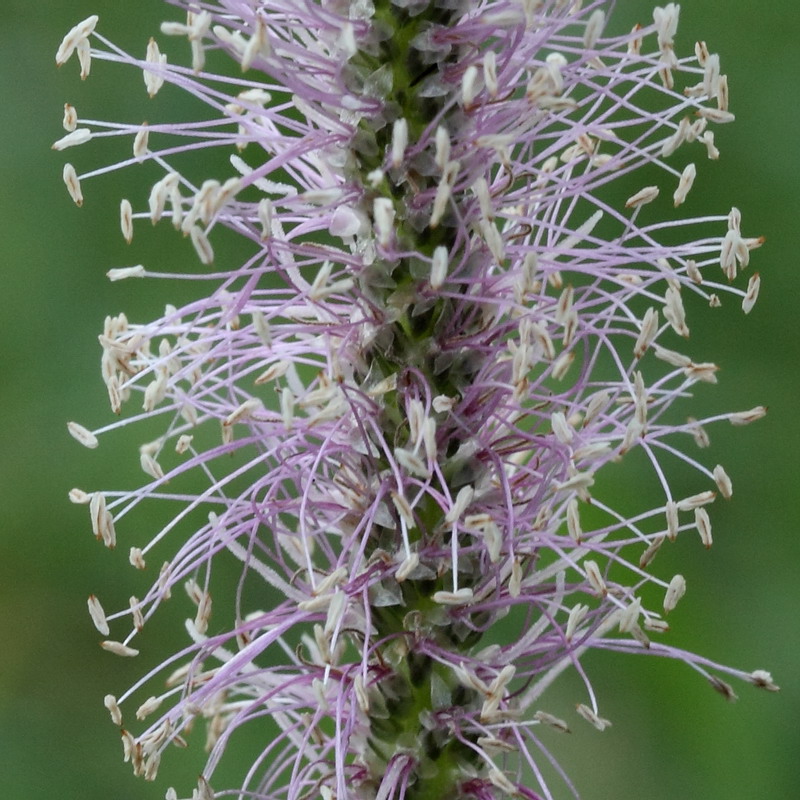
(390, 420)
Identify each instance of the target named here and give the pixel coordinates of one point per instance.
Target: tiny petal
(345, 221)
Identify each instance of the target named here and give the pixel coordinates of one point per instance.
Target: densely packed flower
(392, 415)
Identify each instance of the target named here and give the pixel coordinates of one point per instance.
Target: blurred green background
(673, 737)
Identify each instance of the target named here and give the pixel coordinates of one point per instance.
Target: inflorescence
(392, 415)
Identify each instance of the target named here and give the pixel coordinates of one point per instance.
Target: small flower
(392, 416)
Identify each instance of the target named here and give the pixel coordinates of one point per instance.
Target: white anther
(490, 73)
(561, 428)
(119, 649)
(675, 590)
(439, 267)
(98, 615)
(481, 190)
(629, 616)
(461, 597)
(723, 481)
(73, 184)
(717, 115)
(201, 244)
(140, 142)
(591, 717)
(746, 417)
(77, 34)
(651, 551)
(696, 501)
(110, 702)
(411, 462)
(672, 143)
(122, 273)
(410, 563)
(153, 80)
(574, 521)
(257, 46)
(70, 120)
(126, 220)
(685, 184)
(674, 311)
(576, 615)
(442, 148)
(443, 191)
(594, 27)
(469, 86)
(595, 577)
(82, 435)
(642, 197)
(460, 504)
(703, 524)
(384, 213)
(404, 509)
(552, 721)
(72, 139)
(751, 295)
(647, 333)
(399, 141)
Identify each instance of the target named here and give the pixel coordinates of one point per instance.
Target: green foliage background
(673, 737)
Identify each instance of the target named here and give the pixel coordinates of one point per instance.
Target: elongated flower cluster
(392, 416)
